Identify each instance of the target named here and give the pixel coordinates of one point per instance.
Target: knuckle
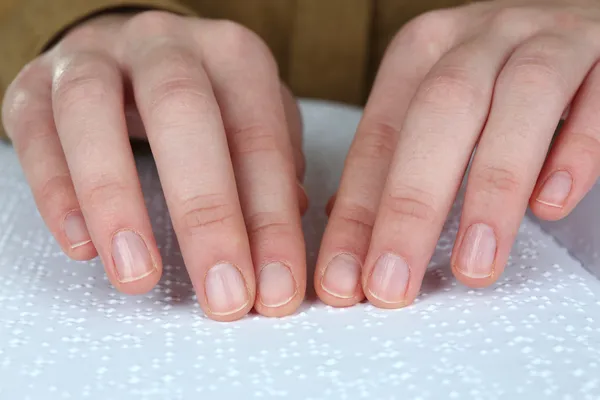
(18, 97)
(175, 84)
(16, 111)
(411, 204)
(449, 89)
(586, 145)
(243, 44)
(32, 138)
(534, 69)
(205, 212)
(150, 23)
(181, 93)
(235, 35)
(569, 19)
(511, 20)
(54, 193)
(268, 224)
(83, 36)
(80, 80)
(252, 140)
(168, 59)
(378, 141)
(354, 216)
(495, 180)
(102, 192)
(426, 31)
(505, 16)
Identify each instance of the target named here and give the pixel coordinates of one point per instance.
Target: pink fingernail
(225, 289)
(389, 279)
(477, 252)
(556, 189)
(341, 276)
(76, 230)
(131, 256)
(277, 286)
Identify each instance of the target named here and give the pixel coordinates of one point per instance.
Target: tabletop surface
(65, 333)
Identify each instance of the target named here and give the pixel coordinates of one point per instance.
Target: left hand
(497, 75)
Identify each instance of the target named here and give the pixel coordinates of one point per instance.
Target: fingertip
(82, 251)
(279, 311)
(475, 282)
(379, 303)
(335, 300)
(141, 285)
(547, 211)
(230, 317)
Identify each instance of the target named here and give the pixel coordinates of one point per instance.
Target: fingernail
(225, 289)
(131, 256)
(341, 276)
(75, 229)
(477, 252)
(389, 279)
(276, 285)
(555, 191)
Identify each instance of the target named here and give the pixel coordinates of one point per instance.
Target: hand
(214, 113)
(496, 76)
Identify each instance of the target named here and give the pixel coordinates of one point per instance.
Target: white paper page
(65, 333)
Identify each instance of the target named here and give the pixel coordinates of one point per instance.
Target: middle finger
(186, 134)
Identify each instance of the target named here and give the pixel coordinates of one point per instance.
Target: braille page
(65, 333)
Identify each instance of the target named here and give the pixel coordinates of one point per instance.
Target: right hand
(215, 115)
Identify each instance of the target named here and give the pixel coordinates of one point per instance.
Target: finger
(263, 162)
(27, 114)
(447, 112)
(87, 102)
(186, 134)
(530, 94)
(573, 165)
(346, 240)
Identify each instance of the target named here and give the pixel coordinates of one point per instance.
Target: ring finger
(184, 127)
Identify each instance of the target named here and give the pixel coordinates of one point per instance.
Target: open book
(65, 333)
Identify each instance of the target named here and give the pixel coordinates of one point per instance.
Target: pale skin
(494, 77)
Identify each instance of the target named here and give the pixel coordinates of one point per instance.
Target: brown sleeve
(27, 26)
